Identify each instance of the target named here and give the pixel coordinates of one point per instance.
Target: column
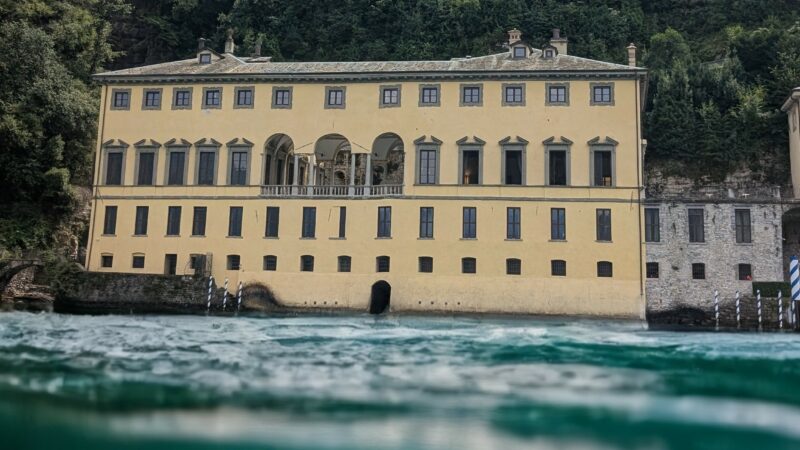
(368, 175)
(312, 170)
(295, 173)
(351, 190)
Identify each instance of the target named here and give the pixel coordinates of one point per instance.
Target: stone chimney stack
(229, 45)
(514, 36)
(632, 55)
(257, 47)
(560, 43)
(201, 44)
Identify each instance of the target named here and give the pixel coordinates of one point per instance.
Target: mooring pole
(239, 297)
(758, 299)
(738, 311)
(716, 308)
(225, 295)
(780, 310)
(210, 283)
(794, 279)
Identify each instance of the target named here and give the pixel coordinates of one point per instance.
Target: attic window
(205, 58)
(549, 53)
(519, 52)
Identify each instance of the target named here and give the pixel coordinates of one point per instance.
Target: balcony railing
(281, 191)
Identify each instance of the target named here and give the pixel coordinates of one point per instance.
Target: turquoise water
(396, 382)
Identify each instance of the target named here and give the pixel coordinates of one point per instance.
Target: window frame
(113, 106)
(233, 262)
(690, 212)
(465, 265)
(344, 264)
(462, 148)
(328, 90)
(176, 223)
(513, 223)
(196, 223)
(309, 223)
(514, 54)
(342, 234)
(382, 95)
(427, 148)
(383, 262)
(547, 98)
(652, 270)
(743, 231)
(107, 152)
(235, 221)
(558, 222)
(141, 220)
(185, 175)
(306, 263)
(467, 222)
(698, 271)
(422, 262)
(272, 221)
(510, 268)
(110, 220)
(269, 263)
(206, 91)
(603, 225)
(599, 148)
(238, 149)
(437, 88)
(138, 166)
(426, 222)
(236, 92)
(739, 273)
(652, 232)
(159, 96)
(593, 101)
(177, 90)
(384, 222)
(462, 91)
(558, 264)
(567, 169)
(504, 94)
(279, 89)
(106, 257)
(601, 269)
(504, 149)
(137, 257)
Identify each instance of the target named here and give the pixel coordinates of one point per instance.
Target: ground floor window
(513, 266)
(745, 272)
(698, 271)
(468, 265)
(652, 270)
(605, 269)
(558, 268)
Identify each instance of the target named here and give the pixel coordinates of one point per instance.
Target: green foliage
(769, 289)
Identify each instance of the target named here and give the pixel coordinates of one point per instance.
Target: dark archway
(380, 297)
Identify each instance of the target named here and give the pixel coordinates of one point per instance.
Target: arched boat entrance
(380, 297)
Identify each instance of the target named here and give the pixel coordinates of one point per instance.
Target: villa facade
(503, 183)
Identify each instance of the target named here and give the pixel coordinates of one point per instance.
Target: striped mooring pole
(780, 310)
(239, 297)
(738, 311)
(716, 309)
(210, 283)
(225, 295)
(794, 279)
(758, 299)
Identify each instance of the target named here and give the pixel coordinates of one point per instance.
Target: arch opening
(380, 297)
(279, 161)
(388, 158)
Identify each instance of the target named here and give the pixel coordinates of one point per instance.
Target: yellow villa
(503, 183)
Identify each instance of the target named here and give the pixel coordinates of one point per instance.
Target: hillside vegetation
(719, 71)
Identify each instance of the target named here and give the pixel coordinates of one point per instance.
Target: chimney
(632, 55)
(201, 44)
(560, 43)
(514, 36)
(229, 46)
(257, 47)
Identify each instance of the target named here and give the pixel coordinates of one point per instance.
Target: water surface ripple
(396, 382)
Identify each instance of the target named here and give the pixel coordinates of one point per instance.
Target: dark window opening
(603, 175)
(605, 269)
(743, 226)
(146, 164)
(652, 225)
(177, 161)
(106, 261)
(513, 266)
(385, 221)
(426, 222)
(306, 263)
(273, 221)
(513, 167)
(233, 262)
(696, 225)
(558, 268)
(652, 270)
(470, 226)
(199, 221)
(470, 162)
(745, 272)
(235, 221)
(114, 169)
(138, 262)
(205, 172)
(382, 263)
(557, 168)
(110, 222)
(427, 166)
(558, 224)
(342, 222)
(309, 222)
(345, 263)
(174, 221)
(698, 271)
(170, 264)
(603, 224)
(140, 224)
(271, 263)
(425, 264)
(239, 168)
(513, 223)
(469, 265)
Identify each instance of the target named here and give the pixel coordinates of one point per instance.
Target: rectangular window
(605, 269)
(426, 222)
(199, 221)
(177, 164)
(138, 262)
(743, 226)
(306, 263)
(558, 224)
(146, 164)
(698, 271)
(513, 94)
(519, 52)
(110, 223)
(745, 272)
(382, 264)
(469, 265)
(652, 270)
(122, 99)
(430, 96)
(513, 223)
(283, 97)
(142, 217)
(427, 166)
(170, 264)
(696, 225)
(425, 264)
(244, 97)
(513, 266)
(271, 263)
(174, 221)
(470, 166)
(470, 95)
(239, 168)
(114, 168)
(385, 221)
(391, 96)
(235, 221)
(205, 170)
(557, 168)
(603, 175)
(205, 58)
(513, 167)
(603, 224)
(335, 97)
(273, 221)
(558, 268)
(470, 227)
(212, 97)
(601, 95)
(107, 261)
(652, 225)
(233, 262)
(557, 94)
(152, 99)
(345, 263)
(183, 98)
(342, 222)
(309, 222)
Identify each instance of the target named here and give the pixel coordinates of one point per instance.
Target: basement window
(106, 261)
(698, 271)
(652, 270)
(745, 272)
(233, 262)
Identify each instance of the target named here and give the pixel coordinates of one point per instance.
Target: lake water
(395, 382)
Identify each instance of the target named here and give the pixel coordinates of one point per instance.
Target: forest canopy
(719, 70)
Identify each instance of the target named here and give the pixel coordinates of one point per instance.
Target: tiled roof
(232, 66)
